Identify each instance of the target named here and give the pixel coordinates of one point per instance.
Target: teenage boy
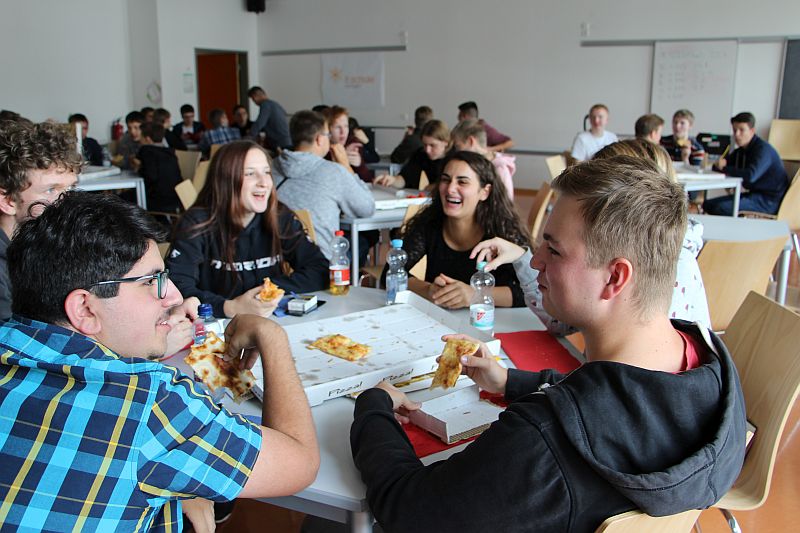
(496, 141)
(271, 120)
(654, 420)
(469, 135)
(95, 437)
(37, 163)
(160, 170)
(220, 132)
(241, 121)
(92, 151)
(680, 145)
(759, 166)
(189, 129)
(412, 140)
(164, 117)
(588, 143)
(130, 142)
(336, 190)
(649, 128)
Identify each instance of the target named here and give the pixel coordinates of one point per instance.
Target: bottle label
(481, 317)
(340, 276)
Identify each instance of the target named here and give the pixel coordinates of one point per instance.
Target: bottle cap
(397, 243)
(481, 265)
(339, 233)
(205, 310)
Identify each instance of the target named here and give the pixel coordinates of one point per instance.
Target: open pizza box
(456, 414)
(405, 340)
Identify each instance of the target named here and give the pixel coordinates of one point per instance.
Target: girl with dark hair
(468, 205)
(430, 159)
(237, 233)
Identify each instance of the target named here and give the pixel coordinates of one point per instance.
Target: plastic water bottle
(204, 323)
(481, 307)
(340, 265)
(396, 277)
(106, 157)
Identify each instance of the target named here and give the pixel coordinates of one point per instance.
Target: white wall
(143, 49)
(184, 25)
(66, 57)
(521, 60)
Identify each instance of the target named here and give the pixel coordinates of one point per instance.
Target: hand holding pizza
(249, 303)
(451, 293)
(482, 367)
(246, 332)
(401, 404)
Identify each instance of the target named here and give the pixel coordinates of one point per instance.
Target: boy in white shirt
(587, 143)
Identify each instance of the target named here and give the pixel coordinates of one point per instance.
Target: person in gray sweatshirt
(327, 189)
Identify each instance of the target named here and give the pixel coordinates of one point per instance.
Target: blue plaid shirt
(91, 441)
(219, 135)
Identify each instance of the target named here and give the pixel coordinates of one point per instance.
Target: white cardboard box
(457, 414)
(405, 339)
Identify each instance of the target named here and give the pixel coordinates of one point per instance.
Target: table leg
(736, 195)
(360, 522)
(354, 244)
(783, 276)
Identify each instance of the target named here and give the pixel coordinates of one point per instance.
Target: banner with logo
(353, 80)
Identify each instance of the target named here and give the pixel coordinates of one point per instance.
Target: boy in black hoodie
(654, 420)
(160, 170)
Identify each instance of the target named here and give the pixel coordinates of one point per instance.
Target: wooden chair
(764, 341)
(556, 165)
(187, 161)
(304, 216)
(213, 150)
(199, 177)
(423, 181)
(538, 212)
(638, 522)
(784, 135)
(731, 269)
(187, 194)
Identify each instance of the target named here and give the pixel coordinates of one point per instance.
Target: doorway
(222, 81)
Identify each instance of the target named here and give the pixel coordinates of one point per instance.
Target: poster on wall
(353, 80)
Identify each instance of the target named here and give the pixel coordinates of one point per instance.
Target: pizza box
(94, 172)
(405, 340)
(391, 198)
(455, 414)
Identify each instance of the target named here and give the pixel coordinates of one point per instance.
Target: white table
(722, 228)
(382, 219)
(693, 181)
(124, 180)
(338, 493)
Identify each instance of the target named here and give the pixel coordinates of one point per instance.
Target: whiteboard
(695, 75)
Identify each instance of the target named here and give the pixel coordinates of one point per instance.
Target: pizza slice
(341, 346)
(450, 362)
(209, 365)
(270, 291)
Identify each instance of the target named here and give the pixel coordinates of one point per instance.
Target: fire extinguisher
(116, 130)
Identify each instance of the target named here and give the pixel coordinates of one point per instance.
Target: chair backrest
(731, 269)
(764, 341)
(423, 181)
(784, 135)
(187, 194)
(556, 165)
(200, 173)
(637, 522)
(538, 212)
(187, 161)
(304, 216)
(163, 248)
(214, 148)
(790, 206)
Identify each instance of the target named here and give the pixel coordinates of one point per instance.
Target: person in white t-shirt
(587, 143)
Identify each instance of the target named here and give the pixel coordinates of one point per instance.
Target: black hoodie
(569, 451)
(197, 266)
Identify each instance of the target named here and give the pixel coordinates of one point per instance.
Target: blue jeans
(723, 205)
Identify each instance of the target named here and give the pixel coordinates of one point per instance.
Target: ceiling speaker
(256, 6)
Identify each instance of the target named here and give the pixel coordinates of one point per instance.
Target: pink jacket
(505, 166)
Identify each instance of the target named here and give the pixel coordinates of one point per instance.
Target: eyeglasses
(162, 279)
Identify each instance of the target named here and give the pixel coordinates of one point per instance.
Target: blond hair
(643, 148)
(631, 210)
(436, 129)
(469, 128)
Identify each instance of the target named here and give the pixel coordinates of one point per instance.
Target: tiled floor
(778, 514)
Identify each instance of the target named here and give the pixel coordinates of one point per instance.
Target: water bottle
(106, 157)
(396, 276)
(340, 265)
(481, 307)
(204, 323)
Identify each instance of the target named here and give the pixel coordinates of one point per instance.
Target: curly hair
(496, 215)
(25, 147)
